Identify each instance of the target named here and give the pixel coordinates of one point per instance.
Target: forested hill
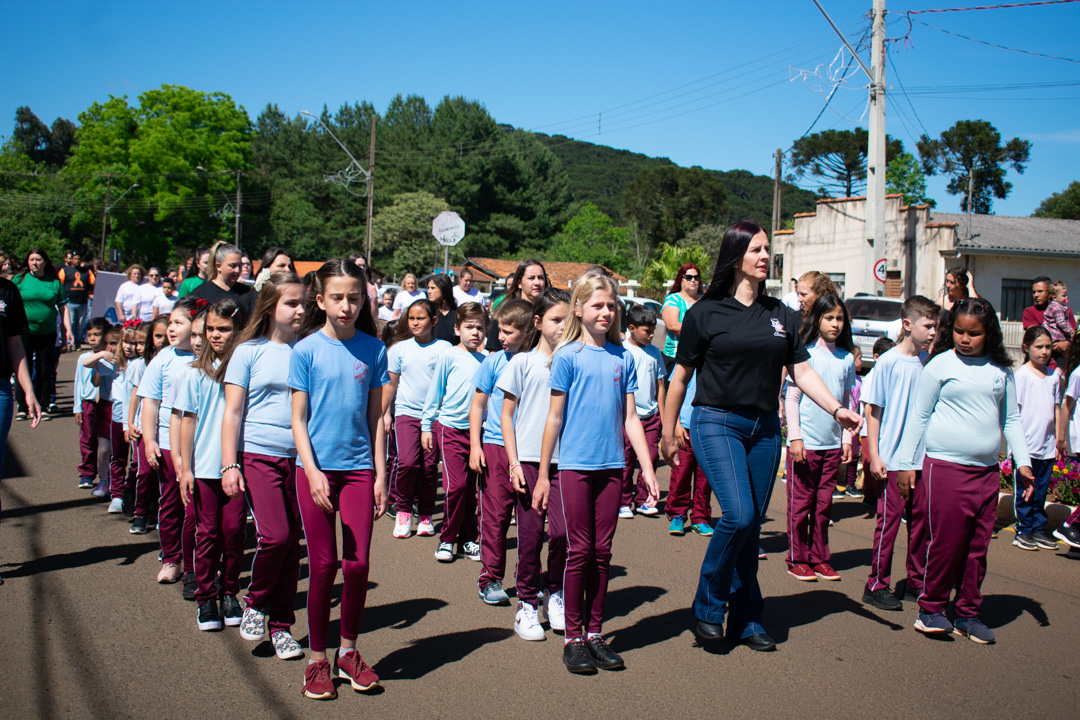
(599, 174)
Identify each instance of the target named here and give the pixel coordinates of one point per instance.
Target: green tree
(401, 235)
(904, 176)
(973, 149)
(591, 237)
(706, 237)
(43, 145)
(837, 159)
(1064, 205)
(668, 202)
(669, 258)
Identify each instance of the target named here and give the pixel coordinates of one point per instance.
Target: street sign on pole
(879, 270)
(448, 229)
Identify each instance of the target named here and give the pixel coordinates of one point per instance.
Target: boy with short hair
(890, 400)
(386, 309)
(86, 399)
(649, 402)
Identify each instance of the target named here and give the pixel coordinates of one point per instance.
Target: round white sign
(879, 270)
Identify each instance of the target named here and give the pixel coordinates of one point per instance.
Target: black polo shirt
(12, 323)
(240, 293)
(739, 351)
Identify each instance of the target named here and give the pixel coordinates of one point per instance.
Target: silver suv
(872, 318)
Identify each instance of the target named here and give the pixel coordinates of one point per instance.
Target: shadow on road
(1000, 610)
(399, 615)
(624, 601)
(28, 510)
(652, 630)
(784, 612)
(428, 654)
(852, 559)
(127, 554)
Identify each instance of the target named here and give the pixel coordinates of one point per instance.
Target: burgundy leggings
(271, 495)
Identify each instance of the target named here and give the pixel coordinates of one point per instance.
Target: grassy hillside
(600, 174)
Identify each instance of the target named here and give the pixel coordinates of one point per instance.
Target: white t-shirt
(385, 313)
(463, 297)
(150, 295)
(404, 299)
(1037, 398)
(792, 301)
(130, 296)
(165, 303)
(526, 378)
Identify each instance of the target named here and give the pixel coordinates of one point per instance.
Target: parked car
(661, 329)
(872, 318)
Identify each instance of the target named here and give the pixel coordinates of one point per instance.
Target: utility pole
(776, 201)
(370, 188)
(238, 197)
(875, 159)
(971, 193)
(105, 216)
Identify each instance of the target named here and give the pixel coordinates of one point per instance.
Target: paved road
(86, 633)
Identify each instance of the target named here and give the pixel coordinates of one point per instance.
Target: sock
(592, 636)
(345, 651)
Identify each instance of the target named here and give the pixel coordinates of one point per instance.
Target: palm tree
(668, 259)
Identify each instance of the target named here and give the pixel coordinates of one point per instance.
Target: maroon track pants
(634, 495)
(891, 507)
(88, 440)
(496, 507)
(530, 537)
(688, 481)
(810, 492)
(118, 466)
(459, 485)
(147, 483)
(220, 522)
(275, 568)
(416, 472)
(352, 494)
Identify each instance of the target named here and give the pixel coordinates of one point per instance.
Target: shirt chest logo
(778, 328)
(617, 373)
(360, 372)
(3, 308)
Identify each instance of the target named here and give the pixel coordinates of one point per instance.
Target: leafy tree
(1064, 205)
(401, 235)
(904, 176)
(972, 148)
(667, 261)
(837, 159)
(50, 147)
(668, 201)
(705, 237)
(591, 237)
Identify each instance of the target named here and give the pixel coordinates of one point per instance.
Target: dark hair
(639, 315)
(1072, 359)
(513, 286)
(825, 303)
(732, 248)
(389, 334)
(918, 307)
(1042, 279)
(959, 274)
(357, 256)
(100, 324)
(446, 290)
(48, 270)
(676, 286)
(469, 310)
(149, 351)
(403, 331)
(226, 309)
(547, 300)
(1032, 334)
(982, 311)
(315, 317)
(882, 345)
(271, 254)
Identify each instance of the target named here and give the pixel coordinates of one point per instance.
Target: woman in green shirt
(685, 291)
(43, 297)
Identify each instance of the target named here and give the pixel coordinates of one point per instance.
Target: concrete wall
(989, 270)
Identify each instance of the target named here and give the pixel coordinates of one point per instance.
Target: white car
(661, 329)
(872, 318)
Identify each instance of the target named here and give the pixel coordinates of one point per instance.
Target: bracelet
(514, 465)
(838, 409)
(229, 467)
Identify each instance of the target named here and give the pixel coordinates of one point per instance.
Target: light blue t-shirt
(485, 379)
(836, 367)
(114, 380)
(84, 388)
(338, 377)
(687, 407)
(596, 381)
(650, 368)
(963, 404)
(132, 377)
(893, 389)
(262, 368)
(450, 392)
(526, 378)
(161, 382)
(203, 397)
(414, 364)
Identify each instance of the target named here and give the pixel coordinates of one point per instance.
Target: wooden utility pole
(776, 193)
(238, 198)
(971, 194)
(370, 187)
(105, 216)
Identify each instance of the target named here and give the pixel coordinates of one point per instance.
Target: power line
(995, 45)
(903, 92)
(992, 7)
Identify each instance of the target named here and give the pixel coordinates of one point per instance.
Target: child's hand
(797, 450)
(187, 487)
(905, 480)
(320, 490)
(849, 420)
(1027, 479)
(232, 482)
(427, 441)
(682, 436)
(1063, 449)
(380, 497)
(136, 432)
(878, 469)
(845, 454)
(78, 419)
(540, 495)
(477, 461)
(653, 487)
(517, 480)
(153, 452)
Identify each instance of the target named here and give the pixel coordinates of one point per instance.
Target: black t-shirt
(12, 322)
(241, 293)
(739, 351)
(445, 328)
(77, 283)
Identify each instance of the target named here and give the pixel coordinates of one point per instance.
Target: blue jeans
(7, 410)
(740, 452)
(1031, 514)
(79, 315)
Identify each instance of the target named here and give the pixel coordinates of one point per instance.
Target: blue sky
(703, 83)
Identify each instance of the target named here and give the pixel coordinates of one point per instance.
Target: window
(1015, 296)
(838, 281)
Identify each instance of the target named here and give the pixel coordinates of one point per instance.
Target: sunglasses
(692, 278)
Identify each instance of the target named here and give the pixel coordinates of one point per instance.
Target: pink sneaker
(352, 667)
(425, 528)
(403, 525)
(170, 573)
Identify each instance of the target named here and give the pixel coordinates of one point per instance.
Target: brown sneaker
(169, 573)
(317, 682)
(802, 572)
(825, 572)
(351, 667)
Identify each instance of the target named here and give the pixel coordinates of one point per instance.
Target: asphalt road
(85, 631)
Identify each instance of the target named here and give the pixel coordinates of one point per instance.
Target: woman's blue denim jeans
(740, 451)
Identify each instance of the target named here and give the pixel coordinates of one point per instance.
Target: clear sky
(703, 83)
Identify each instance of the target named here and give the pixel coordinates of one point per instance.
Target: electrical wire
(1034, 3)
(995, 45)
(903, 92)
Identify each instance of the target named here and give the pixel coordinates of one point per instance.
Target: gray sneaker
(285, 646)
(493, 594)
(471, 550)
(1068, 534)
(1025, 542)
(1044, 541)
(974, 630)
(933, 623)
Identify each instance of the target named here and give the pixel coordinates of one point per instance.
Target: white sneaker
(116, 506)
(555, 612)
(253, 624)
(527, 623)
(647, 510)
(471, 550)
(445, 553)
(625, 513)
(403, 525)
(285, 646)
(425, 528)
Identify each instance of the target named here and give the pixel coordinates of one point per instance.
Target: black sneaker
(910, 592)
(139, 527)
(53, 410)
(209, 618)
(882, 599)
(838, 494)
(1044, 541)
(1025, 542)
(603, 655)
(188, 586)
(1068, 534)
(853, 493)
(577, 658)
(231, 610)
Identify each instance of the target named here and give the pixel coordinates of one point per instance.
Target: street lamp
(108, 207)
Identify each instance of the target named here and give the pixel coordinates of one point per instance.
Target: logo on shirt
(778, 328)
(360, 371)
(3, 308)
(618, 374)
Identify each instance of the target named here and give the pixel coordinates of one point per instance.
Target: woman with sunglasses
(685, 291)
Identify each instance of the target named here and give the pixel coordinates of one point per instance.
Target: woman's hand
(669, 448)
(849, 420)
(797, 451)
(187, 487)
(540, 495)
(232, 482)
(320, 489)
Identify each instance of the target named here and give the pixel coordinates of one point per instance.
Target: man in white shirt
(792, 298)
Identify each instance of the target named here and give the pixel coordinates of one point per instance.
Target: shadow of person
(851, 559)
(126, 553)
(428, 654)
(624, 601)
(787, 611)
(652, 630)
(1000, 610)
(399, 615)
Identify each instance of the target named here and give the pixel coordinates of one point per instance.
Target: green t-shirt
(671, 341)
(41, 299)
(189, 284)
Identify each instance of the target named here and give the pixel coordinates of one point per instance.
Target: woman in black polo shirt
(739, 341)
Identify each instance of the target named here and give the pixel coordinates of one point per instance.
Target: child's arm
(1013, 429)
(547, 448)
(636, 433)
(232, 480)
(185, 423)
(134, 431)
(796, 448)
(509, 407)
(873, 432)
(388, 398)
(174, 443)
(660, 398)
(431, 404)
(845, 434)
(377, 433)
(317, 484)
(926, 396)
(1061, 427)
(676, 393)
(476, 430)
(150, 407)
(92, 359)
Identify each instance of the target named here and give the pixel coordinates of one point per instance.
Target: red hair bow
(199, 305)
(132, 324)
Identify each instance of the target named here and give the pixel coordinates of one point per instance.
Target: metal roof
(1003, 234)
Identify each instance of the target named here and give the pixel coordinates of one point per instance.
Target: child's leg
(950, 526)
(702, 507)
(320, 533)
(119, 464)
(852, 474)
(822, 513)
(187, 539)
(356, 497)
(680, 485)
(652, 427)
(233, 534)
(626, 492)
(1031, 514)
(604, 487)
(459, 485)
(146, 483)
(530, 539)
(890, 508)
(275, 568)
(800, 486)
(556, 522)
(170, 512)
(392, 468)
(496, 505)
(427, 487)
(918, 514)
(410, 461)
(104, 457)
(88, 442)
(984, 488)
(208, 503)
(578, 516)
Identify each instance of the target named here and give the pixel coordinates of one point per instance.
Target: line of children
(147, 490)
(649, 403)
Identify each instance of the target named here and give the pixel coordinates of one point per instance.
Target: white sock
(345, 651)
